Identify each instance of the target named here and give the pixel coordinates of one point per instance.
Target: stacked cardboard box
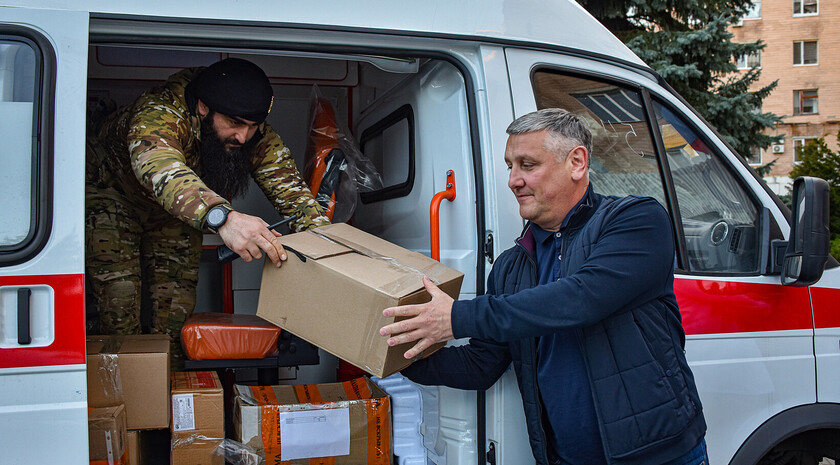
(134, 371)
(135, 453)
(107, 436)
(349, 422)
(198, 418)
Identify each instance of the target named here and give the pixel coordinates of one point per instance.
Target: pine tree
(820, 161)
(688, 43)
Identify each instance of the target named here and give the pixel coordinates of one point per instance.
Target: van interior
(408, 117)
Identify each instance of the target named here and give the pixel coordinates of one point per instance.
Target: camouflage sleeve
(159, 133)
(278, 177)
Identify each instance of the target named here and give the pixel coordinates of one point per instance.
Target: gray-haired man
(584, 307)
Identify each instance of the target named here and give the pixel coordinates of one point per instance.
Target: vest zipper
(534, 355)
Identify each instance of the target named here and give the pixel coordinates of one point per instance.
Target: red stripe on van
(826, 303)
(710, 307)
(68, 348)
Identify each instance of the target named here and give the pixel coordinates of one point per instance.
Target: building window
(754, 157)
(754, 12)
(799, 143)
(805, 102)
(805, 52)
(749, 60)
(805, 7)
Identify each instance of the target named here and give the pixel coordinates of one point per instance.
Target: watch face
(215, 216)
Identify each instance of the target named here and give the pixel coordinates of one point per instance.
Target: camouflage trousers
(140, 256)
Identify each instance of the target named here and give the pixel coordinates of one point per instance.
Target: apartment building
(803, 53)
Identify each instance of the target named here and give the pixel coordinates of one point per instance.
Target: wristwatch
(216, 217)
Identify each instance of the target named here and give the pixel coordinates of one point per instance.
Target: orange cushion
(222, 336)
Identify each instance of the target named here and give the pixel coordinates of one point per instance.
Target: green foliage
(688, 43)
(820, 161)
(765, 169)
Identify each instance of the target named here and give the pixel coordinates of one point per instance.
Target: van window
(623, 159)
(18, 78)
(389, 145)
(720, 220)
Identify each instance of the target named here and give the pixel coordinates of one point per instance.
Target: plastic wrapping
(196, 449)
(107, 371)
(104, 371)
(226, 336)
(236, 453)
(334, 167)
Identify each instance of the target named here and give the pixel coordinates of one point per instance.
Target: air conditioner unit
(777, 148)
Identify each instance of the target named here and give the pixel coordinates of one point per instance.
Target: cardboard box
(198, 418)
(107, 436)
(334, 299)
(136, 366)
(135, 454)
(350, 421)
(198, 404)
(196, 450)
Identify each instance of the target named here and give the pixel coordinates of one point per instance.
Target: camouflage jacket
(149, 152)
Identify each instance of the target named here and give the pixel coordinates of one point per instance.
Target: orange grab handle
(434, 209)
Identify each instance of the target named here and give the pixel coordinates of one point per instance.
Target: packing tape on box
(375, 410)
(372, 336)
(109, 377)
(236, 453)
(194, 440)
(429, 271)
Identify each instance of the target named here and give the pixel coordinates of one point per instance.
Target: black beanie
(233, 87)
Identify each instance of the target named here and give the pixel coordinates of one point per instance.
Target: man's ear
(201, 108)
(578, 160)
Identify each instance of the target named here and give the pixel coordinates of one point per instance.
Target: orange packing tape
(379, 431)
(270, 428)
(357, 389)
(308, 393)
(264, 395)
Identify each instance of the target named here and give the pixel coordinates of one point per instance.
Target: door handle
(434, 212)
(23, 315)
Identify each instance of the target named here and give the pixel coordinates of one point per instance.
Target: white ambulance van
(427, 89)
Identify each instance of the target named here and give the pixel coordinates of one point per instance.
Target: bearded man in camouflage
(162, 170)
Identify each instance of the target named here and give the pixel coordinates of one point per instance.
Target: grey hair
(566, 129)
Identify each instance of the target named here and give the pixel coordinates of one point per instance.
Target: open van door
(749, 339)
(43, 394)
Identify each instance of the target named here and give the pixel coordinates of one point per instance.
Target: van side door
(750, 340)
(43, 403)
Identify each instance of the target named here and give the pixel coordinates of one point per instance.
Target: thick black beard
(226, 172)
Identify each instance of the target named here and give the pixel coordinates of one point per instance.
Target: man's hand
(249, 236)
(431, 322)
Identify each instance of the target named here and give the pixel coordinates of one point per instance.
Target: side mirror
(807, 249)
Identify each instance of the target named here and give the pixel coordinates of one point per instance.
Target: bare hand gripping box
(334, 297)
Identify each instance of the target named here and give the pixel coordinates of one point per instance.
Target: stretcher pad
(223, 336)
